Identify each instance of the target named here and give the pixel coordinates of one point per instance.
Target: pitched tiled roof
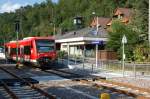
(126, 14)
(85, 32)
(125, 11)
(101, 21)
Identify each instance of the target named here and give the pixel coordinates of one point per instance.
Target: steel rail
(84, 80)
(135, 95)
(63, 74)
(71, 75)
(11, 93)
(95, 78)
(107, 87)
(31, 85)
(79, 75)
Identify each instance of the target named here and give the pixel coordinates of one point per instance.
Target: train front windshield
(45, 45)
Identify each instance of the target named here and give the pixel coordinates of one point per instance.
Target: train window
(43, 42)
(45, 45)
(13, 51)
(45, 48)
(18, 50)
(1, 50)
(6, 49)
(22, 50)
(27, 50)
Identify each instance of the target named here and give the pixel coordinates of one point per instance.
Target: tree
(118, 29)
(140, 18)
(38, 17)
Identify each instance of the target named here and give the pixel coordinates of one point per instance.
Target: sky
(12, 5)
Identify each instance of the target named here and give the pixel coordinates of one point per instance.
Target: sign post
(124, 41)
(97, 43)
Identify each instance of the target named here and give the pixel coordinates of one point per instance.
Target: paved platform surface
(143, 83)
(139, 81)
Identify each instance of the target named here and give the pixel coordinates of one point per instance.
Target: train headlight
(31, 51)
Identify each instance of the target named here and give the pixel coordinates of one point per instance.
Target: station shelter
(83, 42)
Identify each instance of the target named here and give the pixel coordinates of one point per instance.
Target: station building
(82, 42)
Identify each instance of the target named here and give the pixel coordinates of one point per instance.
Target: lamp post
(97, 25)
(17, 27)
(124, 41)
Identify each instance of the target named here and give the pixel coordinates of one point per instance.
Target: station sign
(124, 39)
(97, 42)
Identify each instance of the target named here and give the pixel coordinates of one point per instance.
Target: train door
(21, 54)
(33, 51)
(27, 53)
(8, 52)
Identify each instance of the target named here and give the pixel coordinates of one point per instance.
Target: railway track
(30, 91)
(64, 74)
(71, 75)
(101, 82)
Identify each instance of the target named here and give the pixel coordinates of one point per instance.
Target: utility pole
(96, 44)
(17, 27)
(96, 49)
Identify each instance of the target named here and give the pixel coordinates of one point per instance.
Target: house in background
(123, 14)
(102, 22)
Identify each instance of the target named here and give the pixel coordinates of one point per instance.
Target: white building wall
(75, 51)
(73, 48)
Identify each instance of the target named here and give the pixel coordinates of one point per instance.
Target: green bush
(114, 43)
(62, 54)
(141, 53)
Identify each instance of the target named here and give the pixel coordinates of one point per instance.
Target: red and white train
(36, 50)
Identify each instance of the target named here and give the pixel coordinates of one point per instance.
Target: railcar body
(36, 50)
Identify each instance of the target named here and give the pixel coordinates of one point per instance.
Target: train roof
(27, 40)
(31, 38)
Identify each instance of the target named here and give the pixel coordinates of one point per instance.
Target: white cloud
(9, 7)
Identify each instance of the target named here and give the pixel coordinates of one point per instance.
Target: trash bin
(104, 96)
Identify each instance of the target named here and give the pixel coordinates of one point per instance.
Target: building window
(64, 46)
(120, 16)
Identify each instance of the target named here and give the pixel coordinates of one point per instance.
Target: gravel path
(77, 90)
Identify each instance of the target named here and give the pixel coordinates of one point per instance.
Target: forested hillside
(39, 19)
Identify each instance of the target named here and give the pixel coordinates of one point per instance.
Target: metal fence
(134, 69)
